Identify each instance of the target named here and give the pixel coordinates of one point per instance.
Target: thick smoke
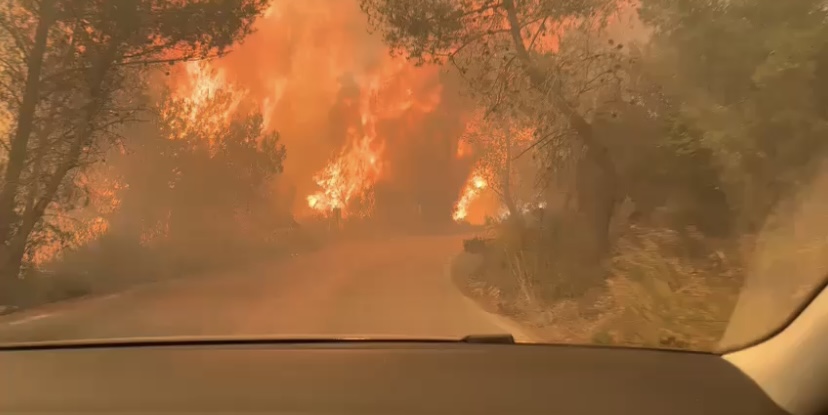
(308, 64)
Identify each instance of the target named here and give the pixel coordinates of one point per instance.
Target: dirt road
(393, 287)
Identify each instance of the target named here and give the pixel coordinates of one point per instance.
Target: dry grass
(665, 289)
(670, 288)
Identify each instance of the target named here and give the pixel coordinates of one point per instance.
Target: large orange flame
(471, 191)
(292, 69)
(202, 105)
(328, 88)
(350, 177)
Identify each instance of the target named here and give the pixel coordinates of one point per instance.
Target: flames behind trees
(368, 134)
(72, 74)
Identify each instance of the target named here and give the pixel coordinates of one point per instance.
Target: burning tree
(347, 183)
(199, 191)
(72, 76)
(500, 145)
(212, 164)
(514, 58)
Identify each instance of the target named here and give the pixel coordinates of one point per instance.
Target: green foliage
(161, 29)
(478, 41)
(436, 30)
(747, 77)
(663, 166)
(421, 30)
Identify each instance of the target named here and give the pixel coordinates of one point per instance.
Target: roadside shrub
(476, 245)
(671, 288)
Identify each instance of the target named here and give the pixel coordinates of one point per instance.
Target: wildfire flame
(471, 191)
(76, 228)
(157, 231)
(349, 177)
(476, 181)
(290, 69)
(346, 184)
(496, 137)
(324, 85)
(203, 104)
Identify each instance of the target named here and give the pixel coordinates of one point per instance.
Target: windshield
(644, 173)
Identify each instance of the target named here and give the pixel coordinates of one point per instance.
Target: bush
(531, 267)
(660, 287)
(476, 245)
(671, 288)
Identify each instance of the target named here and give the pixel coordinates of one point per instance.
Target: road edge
(521, 334)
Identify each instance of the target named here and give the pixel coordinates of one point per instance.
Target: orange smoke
(76, 228)
(329, 88)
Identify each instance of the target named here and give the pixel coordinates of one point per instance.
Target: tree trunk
(515, 215)
(15, 249)
(18, 147)
(596, 200)
(25, 120)
(597, 180)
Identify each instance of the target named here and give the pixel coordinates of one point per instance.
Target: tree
(68, 95)
(209, 184)
(509, 53)
(500, 144)
(197, 194)
(748, 82)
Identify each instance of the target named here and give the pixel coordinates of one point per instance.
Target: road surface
(395, 287)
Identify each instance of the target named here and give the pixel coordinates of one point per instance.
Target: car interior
(786, 373)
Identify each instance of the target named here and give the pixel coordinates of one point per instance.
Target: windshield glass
(644, 173)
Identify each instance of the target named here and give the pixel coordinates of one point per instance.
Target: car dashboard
(365, 377)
